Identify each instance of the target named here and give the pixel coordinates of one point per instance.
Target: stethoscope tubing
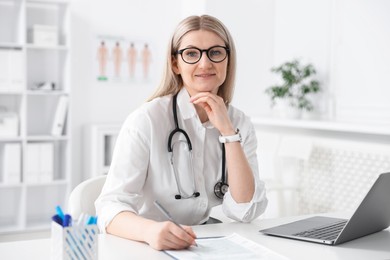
(218, 187)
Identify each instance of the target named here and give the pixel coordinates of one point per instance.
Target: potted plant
(296, 84)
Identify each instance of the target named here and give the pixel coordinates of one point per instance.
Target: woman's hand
(241, 181)
(166, 235)
(216, 111)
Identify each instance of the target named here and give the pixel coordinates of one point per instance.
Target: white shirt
(141, 172)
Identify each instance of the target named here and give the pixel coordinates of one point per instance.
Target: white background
(346, 40)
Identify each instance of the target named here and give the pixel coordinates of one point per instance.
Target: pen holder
(75, 242)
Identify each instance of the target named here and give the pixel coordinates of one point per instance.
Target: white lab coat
(141, 173)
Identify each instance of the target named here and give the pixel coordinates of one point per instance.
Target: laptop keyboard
(329, 232)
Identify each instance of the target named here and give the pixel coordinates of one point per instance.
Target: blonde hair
(171, 83)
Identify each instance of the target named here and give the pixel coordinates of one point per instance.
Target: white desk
(375, 246)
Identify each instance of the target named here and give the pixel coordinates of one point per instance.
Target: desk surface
(375, 246)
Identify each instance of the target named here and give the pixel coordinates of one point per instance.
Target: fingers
(207, 100)
(185, 234)
(216, 110)
(190, 231)
(211, 103)
(166, 235)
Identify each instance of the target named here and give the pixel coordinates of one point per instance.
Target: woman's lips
(205, 75)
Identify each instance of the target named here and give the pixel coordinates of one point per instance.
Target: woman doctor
(187, 147)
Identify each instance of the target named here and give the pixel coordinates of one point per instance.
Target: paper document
(233, 246)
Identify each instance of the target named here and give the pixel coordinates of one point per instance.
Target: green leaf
(297, 84)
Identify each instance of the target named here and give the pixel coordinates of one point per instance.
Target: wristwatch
(231, 138)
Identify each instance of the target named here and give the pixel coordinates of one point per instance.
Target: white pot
(284, 109)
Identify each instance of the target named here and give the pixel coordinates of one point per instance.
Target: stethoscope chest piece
(220, 189)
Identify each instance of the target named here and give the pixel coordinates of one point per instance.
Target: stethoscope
(220, 187)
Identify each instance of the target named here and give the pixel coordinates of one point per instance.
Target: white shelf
(45, 47)
(46, 92)
(12, 92)
(11, 139)
(43, 184)
(28, 198)
(48, 2)
(323, 125)
(16, 185)
(47, 138)
(50, 183)
(11, 45)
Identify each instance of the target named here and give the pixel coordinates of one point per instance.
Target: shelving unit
(28, 203)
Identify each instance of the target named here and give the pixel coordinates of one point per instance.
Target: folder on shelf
(60, 116)
(12, 163)
(16, 70)
(39, 162)
(47, 162)
(11, 68)
(31, 174)
(4, 68)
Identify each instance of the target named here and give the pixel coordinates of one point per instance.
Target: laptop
(372, 215)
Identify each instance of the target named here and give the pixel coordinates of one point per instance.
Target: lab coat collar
(187, 109)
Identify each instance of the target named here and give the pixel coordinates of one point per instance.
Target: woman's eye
(192, 54)
(215, 53)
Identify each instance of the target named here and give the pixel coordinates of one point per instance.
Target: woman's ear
(175, 66)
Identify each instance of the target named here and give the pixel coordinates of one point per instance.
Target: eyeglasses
(192, 55)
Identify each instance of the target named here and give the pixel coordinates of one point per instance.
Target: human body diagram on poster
(122, 60)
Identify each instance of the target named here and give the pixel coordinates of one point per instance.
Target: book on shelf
(39, 162)
(60, 116)
(11, 69)
(12, 163)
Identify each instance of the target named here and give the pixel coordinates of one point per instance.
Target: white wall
(346, 40)
(251, 24)
(361, 62)
(303, 30)
(97, 102)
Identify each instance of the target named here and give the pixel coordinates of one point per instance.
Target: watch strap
(231, 138)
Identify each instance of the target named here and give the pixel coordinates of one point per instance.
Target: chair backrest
(83, 196)
(339, 173)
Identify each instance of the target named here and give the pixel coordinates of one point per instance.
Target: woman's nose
(204, 60)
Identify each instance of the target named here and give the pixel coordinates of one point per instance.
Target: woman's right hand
(166, 235)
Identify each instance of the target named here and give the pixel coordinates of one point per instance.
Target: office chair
(83, 196)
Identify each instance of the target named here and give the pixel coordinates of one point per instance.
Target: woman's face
(205, 75)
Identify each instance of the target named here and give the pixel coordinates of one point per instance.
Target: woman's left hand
(216, 111)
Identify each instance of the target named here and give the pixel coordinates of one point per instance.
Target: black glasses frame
(201, 53)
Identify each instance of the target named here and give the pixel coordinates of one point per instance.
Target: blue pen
(57, 219)
(67, 220)
(60, 213)
(91, 220)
